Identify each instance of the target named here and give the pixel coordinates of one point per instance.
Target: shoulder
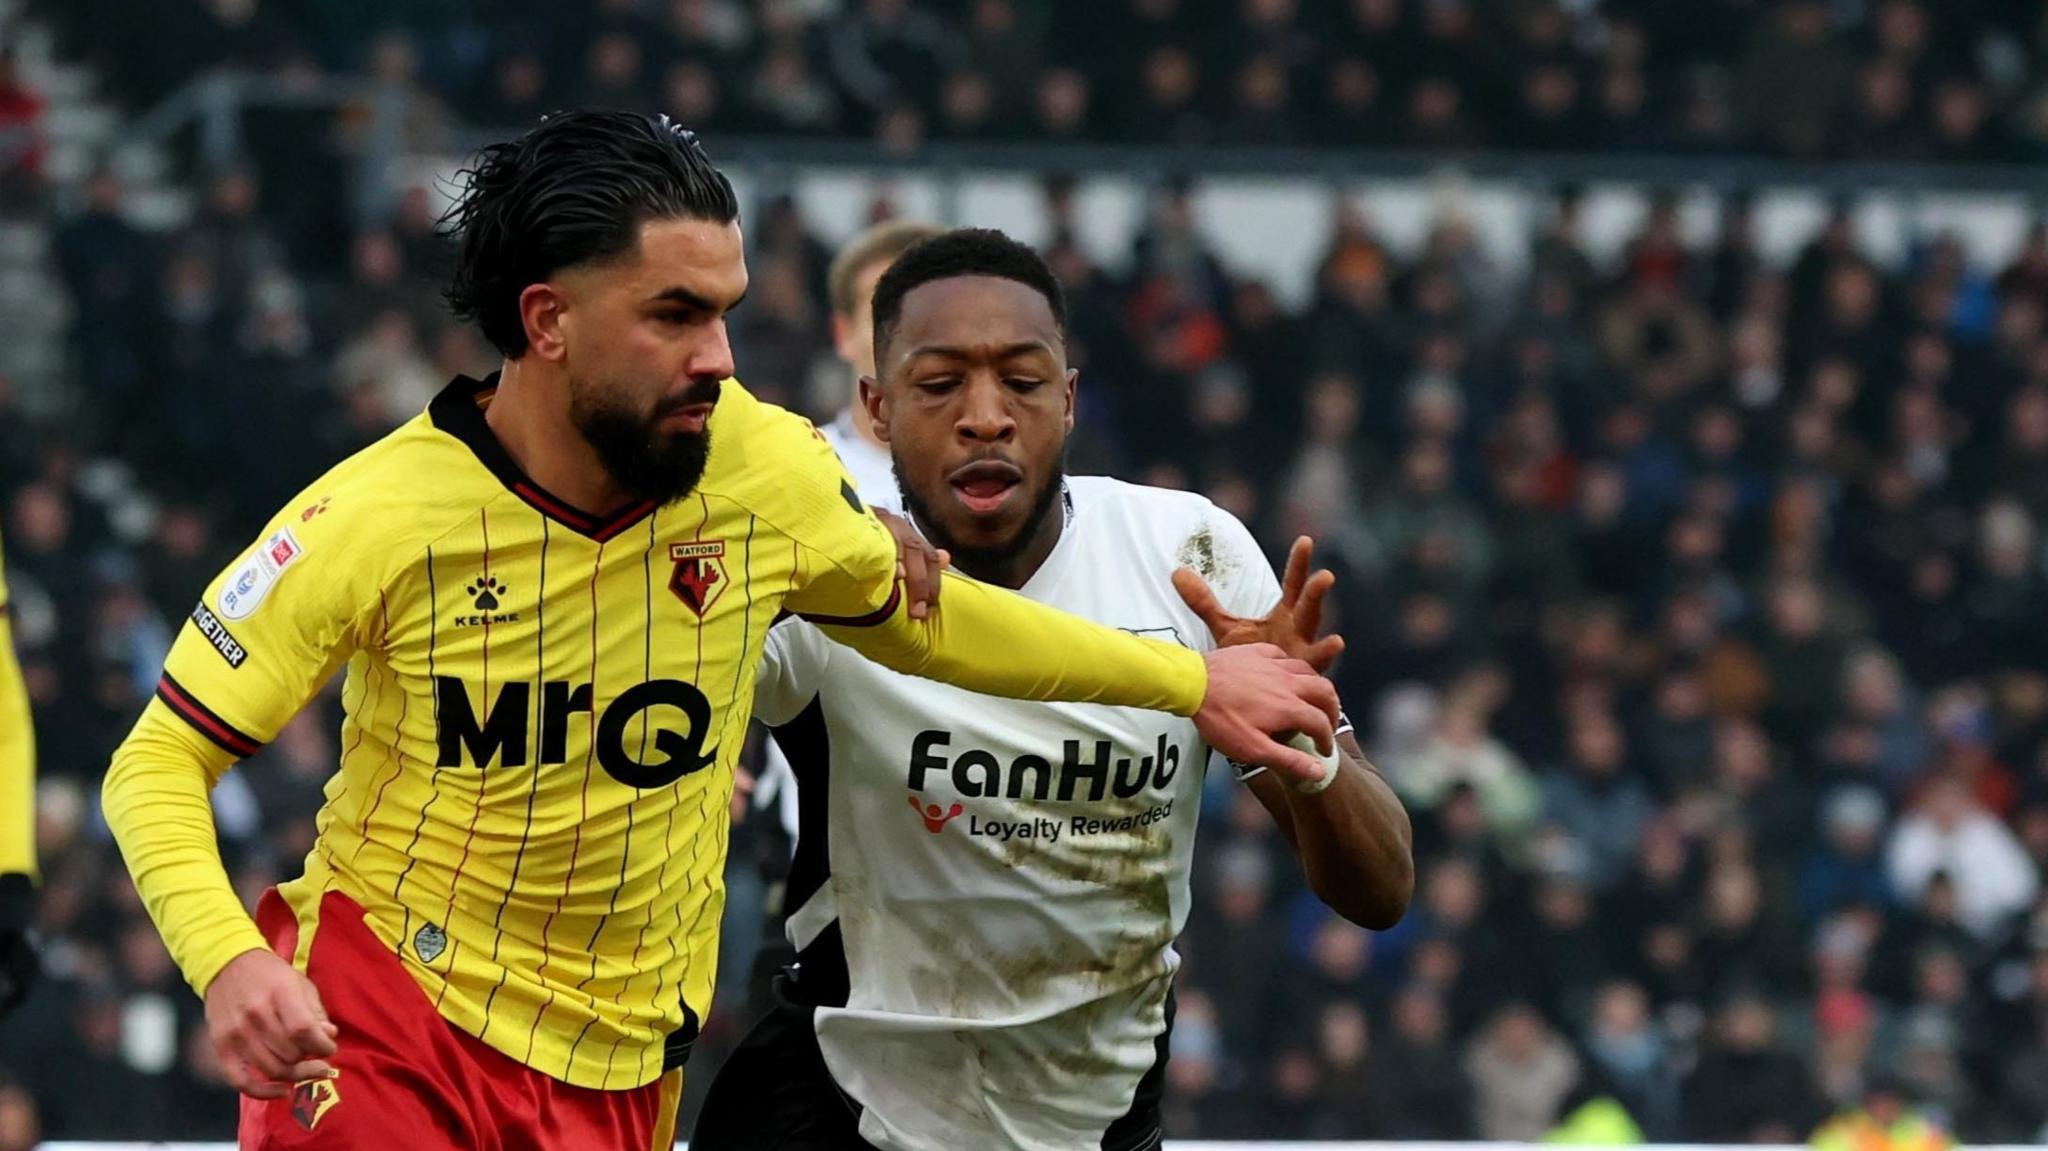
(1186, 526)
(1111, 496)
(779, 466)
(372, 513)
(403, 490)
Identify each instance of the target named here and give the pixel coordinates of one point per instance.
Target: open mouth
(690, 419)
(985, 485)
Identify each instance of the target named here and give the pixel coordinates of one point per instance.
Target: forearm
(1353, 838)
(17, 764)
(996, 642)
(156, 803)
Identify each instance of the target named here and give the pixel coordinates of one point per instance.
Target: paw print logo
(487, 591)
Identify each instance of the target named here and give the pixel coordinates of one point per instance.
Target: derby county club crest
(699, 576)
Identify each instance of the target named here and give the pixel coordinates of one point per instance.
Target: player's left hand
(19, 965)
(1292, 624)
(918, 564)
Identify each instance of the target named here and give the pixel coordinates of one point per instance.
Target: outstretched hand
(1292, 624)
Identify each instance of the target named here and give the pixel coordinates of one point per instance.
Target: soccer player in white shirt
(849, 289)
(985, 894)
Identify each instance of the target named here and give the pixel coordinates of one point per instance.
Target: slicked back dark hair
(573, 190)
(962, 252)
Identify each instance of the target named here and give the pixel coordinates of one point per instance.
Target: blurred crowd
(1890, 79)
(1695, 600)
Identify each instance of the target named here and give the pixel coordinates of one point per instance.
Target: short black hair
(963, 252)
(572, 190)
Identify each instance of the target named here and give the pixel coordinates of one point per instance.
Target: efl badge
(246, 586)
(699, 574)
(313, 1099)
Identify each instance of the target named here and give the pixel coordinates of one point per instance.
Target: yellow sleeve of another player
(265, 636)
(17, 754)
(982, 638)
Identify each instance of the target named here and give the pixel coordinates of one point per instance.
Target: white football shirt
(874, 477)
(993, 885)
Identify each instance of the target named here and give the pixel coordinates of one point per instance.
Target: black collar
(458, 410)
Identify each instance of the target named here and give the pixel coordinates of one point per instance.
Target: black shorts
(775, 1094)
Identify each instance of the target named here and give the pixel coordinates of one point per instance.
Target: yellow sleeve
(996, 642)
(264, 637)
(982, 638)
(17, 755)
(155, 800)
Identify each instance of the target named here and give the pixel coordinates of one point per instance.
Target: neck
(529, 414)
(1011, 571)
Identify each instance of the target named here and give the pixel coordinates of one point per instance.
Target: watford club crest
(313, 1099)
(699, 576)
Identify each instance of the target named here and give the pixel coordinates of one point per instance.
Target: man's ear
(1073, 384)
(876, 402)
(541, 313)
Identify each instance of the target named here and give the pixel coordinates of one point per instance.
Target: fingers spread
(1297, 569)
(1201, 599)
(1324, 652)
(1308, 613)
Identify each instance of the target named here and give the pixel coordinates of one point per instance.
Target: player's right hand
(1257, 690)
(1291, 625)
(268, 1026)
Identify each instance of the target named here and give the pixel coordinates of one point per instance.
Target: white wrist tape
(1330, 764)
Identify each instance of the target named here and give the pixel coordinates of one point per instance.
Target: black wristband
(17, 903)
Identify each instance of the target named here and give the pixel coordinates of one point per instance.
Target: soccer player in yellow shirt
(550, 592)
(17, 818)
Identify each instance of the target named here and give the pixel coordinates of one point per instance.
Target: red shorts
(410, 1079)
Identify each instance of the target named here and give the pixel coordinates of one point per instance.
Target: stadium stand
(1695, 598)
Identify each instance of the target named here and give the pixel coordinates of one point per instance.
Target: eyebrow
(957, 352)
(692, 300)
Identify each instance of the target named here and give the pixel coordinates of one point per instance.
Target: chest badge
(699, 576)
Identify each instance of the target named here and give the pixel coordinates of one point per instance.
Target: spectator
(1743, 560)
(108, 266)
(1792, 78)
(1462, 753)
(1947, 832)
(1746, 1088)
(1627, 1050)
(1595, 801)
(889, 52)
(23, 150)
(1883, 1122)
(1521, 1072)
(1423, 1085)
(1847, 869)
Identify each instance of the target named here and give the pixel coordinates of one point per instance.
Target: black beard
(646, 465)
(982, 563)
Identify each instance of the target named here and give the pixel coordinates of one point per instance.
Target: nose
(712, 357)
(985, 415)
